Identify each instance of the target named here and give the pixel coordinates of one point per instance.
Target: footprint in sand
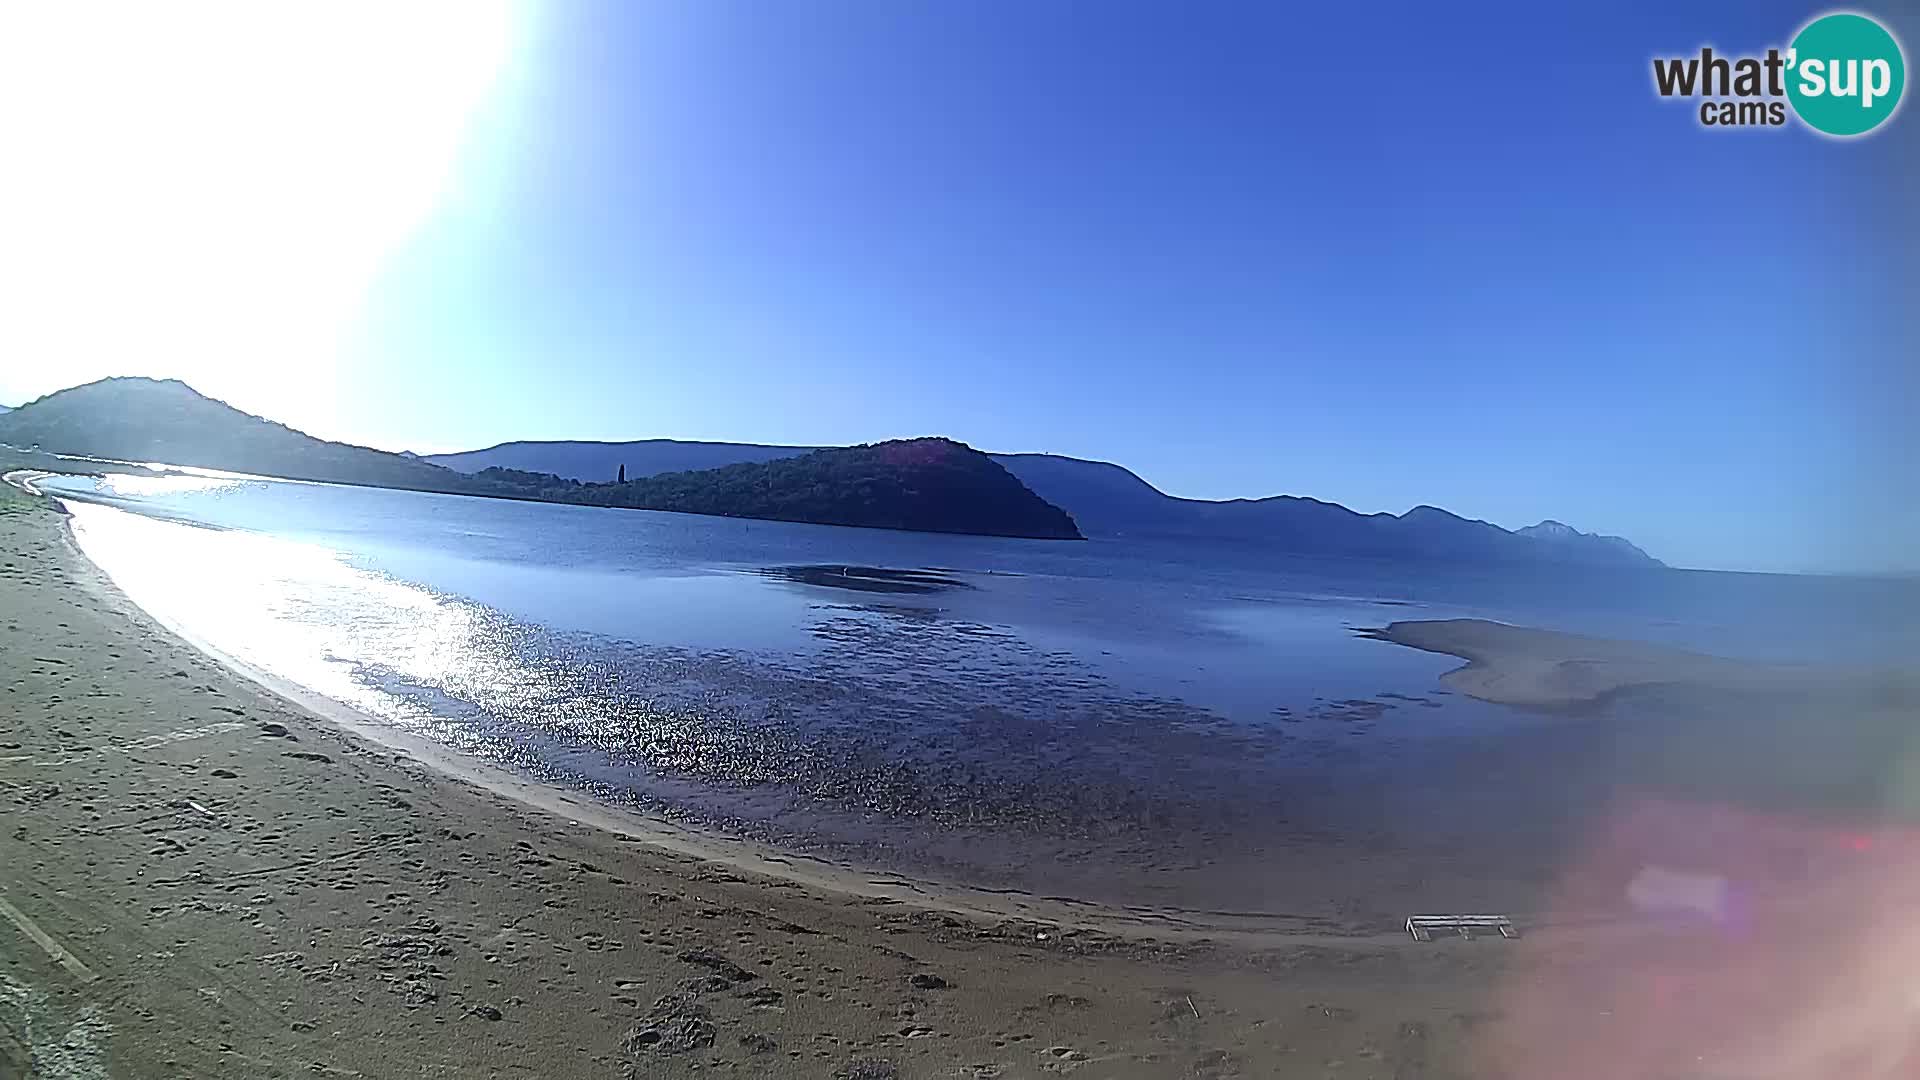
(758, 1044)
(761, 997)
(1063, 1059)
(1212, 1063)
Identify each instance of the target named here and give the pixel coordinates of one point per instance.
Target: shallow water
(1127, 721)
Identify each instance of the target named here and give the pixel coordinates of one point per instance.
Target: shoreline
(1157, 923)
(226, 861)
(137, 468)
(1539, 671)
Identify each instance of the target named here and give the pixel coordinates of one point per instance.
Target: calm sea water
(1130, 721)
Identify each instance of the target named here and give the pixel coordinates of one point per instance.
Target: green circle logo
(1845, 74)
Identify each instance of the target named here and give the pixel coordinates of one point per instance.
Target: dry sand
(199, 878)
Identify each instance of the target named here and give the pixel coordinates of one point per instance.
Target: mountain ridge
(139, 419)
(1108, 499)
(930, 484)
(130, 418)
(583, 459)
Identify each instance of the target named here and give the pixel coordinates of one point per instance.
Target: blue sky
(1385, 255)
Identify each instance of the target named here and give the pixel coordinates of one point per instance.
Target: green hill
(934, 485)
(928, 485)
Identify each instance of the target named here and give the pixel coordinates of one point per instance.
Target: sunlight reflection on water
(1084, 723)
(293, 610)
(1024, 767)
(887, 705)
(131, 485)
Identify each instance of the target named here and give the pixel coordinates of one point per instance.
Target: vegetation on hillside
(929, 485)
(934, 485)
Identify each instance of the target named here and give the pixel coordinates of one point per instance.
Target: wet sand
(202, 878)
(1548, 669)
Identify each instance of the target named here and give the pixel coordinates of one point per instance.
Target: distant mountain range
(1107, 500)
(596, 462)
(932, 484)
(935, 485)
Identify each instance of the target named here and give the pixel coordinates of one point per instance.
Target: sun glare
(207, 189)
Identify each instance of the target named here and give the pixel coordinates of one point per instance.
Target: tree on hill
(929, 485)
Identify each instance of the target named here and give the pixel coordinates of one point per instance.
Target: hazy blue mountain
(1109, 500)
(1551, 532)
(599, 462)
(5, 409)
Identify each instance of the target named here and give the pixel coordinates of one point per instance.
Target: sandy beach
(205, 876)
(203, 879)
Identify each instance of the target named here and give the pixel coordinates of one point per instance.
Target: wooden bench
(1422, 927)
